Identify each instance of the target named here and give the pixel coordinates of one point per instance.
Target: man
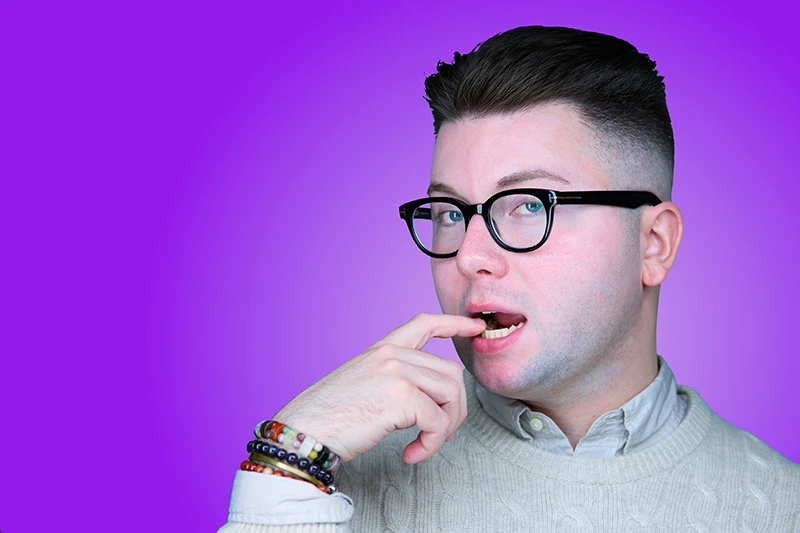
(550, 228)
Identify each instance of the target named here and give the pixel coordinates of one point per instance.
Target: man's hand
(392, 385)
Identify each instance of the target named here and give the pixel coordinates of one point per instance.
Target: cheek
(586, 270)
(596, 252)
(597, 285)
(616, 265)
(446, 283)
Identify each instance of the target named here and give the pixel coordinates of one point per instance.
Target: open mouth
(499, 325)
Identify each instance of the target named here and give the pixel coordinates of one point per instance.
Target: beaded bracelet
(304, 445)
(261, 469)
(290, 458)
(289, 471)
(282, 434)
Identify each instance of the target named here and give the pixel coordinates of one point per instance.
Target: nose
(479, 255)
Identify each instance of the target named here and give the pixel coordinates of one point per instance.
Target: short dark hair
(616, 89)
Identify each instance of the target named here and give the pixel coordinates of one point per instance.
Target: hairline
(617, 150)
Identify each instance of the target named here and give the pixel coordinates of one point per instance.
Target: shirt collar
(637, 424)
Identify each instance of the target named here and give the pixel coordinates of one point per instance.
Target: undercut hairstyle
(615, 89)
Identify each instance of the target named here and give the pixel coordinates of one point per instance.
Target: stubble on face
(579, 331)
(578, 291)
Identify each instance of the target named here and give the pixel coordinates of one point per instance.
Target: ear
(661, 231)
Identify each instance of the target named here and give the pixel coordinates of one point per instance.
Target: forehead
(548, 141)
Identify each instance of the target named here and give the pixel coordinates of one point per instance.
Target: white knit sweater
(707, 476)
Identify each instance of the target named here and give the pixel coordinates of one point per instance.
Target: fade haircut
(615, 89)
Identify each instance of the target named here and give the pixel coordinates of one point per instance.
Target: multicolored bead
(323, 456)
(306, 447)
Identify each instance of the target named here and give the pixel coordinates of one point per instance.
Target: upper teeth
(487, 312)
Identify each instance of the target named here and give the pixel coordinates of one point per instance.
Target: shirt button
(536, 424)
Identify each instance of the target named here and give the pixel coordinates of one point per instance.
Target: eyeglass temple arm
(420, 212)
(630, 199)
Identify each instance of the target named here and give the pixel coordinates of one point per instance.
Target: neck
(625, 369)
(576, 412)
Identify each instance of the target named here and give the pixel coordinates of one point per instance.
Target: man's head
(583, 111)
(615, 90)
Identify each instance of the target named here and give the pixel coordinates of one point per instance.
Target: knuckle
(455, 388)
(390, 365)
(450, 386)
(400, 388)
(422, 318)
(384, 351)
(444, 419)
(433, 412)
(455, 368)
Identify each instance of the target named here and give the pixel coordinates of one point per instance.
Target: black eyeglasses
(519, 220)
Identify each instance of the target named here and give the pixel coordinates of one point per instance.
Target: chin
(504, 375)
(502, 379)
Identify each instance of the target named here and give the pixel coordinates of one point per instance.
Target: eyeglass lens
(520, 221)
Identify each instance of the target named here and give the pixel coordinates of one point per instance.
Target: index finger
(419, 330)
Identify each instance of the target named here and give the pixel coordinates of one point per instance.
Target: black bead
(303, 463)
(272, 451)
(291, 458)
(259, 447)
(322, 456)
(328, 479)
(320, 475)
(313, 469)
(250, 447)
(280, 455)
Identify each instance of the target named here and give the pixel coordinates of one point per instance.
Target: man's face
(580, 293)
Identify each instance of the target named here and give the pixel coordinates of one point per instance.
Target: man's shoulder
(740, 446)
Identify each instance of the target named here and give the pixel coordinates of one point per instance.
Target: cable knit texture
(707, 476)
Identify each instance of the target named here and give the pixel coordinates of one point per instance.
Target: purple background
(153, 158)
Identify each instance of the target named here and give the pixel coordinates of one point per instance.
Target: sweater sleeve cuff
(276, 501)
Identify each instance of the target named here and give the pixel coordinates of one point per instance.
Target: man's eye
(528, 208)
(448, 218)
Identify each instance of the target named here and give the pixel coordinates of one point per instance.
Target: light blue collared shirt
(639, 423)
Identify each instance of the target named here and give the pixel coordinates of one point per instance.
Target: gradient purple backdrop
(154, 156)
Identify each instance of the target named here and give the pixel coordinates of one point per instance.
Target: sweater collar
(639, 423)
(685, 440)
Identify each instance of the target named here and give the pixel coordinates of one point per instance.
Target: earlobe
(662, 230)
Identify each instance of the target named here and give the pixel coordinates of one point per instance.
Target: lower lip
(492, 346)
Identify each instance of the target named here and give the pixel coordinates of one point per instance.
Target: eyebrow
(505, 182)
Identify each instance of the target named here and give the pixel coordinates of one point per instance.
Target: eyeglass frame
(549, 198)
